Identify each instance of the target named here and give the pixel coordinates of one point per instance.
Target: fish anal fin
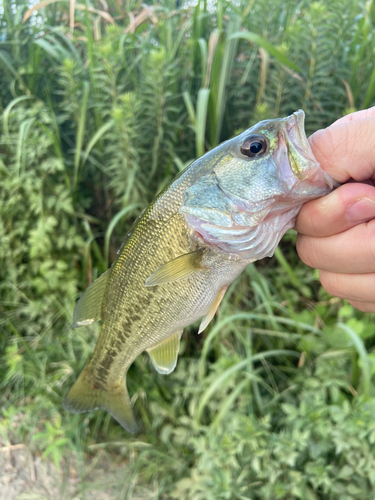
(212, 310)
(164, 355)
(89, 306)
(180, 268)
(87, 394)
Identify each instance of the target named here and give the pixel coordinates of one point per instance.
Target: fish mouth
(296, 134)
(296, 159)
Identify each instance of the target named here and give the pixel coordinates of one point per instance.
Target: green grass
(275, 400)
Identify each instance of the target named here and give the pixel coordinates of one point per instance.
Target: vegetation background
(102, 103)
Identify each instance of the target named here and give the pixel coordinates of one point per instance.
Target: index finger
(346, 149)
(340, 210)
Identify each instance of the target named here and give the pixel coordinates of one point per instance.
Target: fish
(227, 209)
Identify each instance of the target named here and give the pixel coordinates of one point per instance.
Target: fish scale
(177, 261)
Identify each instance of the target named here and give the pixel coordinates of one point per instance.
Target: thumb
(346, 149)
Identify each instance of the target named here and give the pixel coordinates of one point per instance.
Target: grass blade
(8, 64)
(113, 224)
(370, 93)
(39, 6)
(203, 47)
(190, 108)
(273, 51)
(8, 109)
(81, 130)
(285, 265)
(362, 353)
(229, 402)
(22, 136)
(225, 73)
(98, 135)
(245, 316)
(200, 131)
(219, 381)
(56, 51)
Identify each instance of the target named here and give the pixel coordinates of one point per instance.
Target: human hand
(337, 232)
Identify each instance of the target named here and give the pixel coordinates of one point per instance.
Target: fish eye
(254, 145)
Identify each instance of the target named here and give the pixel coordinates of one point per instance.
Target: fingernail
(361, 210)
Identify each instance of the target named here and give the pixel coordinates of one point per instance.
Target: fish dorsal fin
(164, 355)
(212, 310)
(89, 306)
(180, 268)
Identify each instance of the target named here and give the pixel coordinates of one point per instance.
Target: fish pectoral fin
(89, 306)
(212, 310)
(180, 268)
(87, 394)
(164, 355)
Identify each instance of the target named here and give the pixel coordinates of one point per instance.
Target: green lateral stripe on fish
(227, 209)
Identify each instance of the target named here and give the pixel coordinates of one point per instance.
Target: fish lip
(292, 137)
(295, 134)
(297, 122)
(281, 158)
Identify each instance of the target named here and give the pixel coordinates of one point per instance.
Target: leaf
(370, 93)
(202, 104)
(98, 135)
(113, 224)
(22, 136)
(105, 15)
(9, 108)
(273, 51)
(203, 48)
(81, 130)
(39, 6)
(71, 14)
(55, 51)
(10, 66)
(190, 108)
(222, 69)
(366, 365)
(231, 371)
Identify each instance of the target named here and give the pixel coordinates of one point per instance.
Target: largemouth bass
(227, 209)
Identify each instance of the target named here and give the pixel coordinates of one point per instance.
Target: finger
(355, 287)
(357, 115)
(352, 251)
(346, 149)
(340, 210)
(363, 306)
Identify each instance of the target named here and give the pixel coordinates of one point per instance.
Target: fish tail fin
(84, 396)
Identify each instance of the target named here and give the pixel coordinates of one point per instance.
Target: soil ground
(24, 476)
